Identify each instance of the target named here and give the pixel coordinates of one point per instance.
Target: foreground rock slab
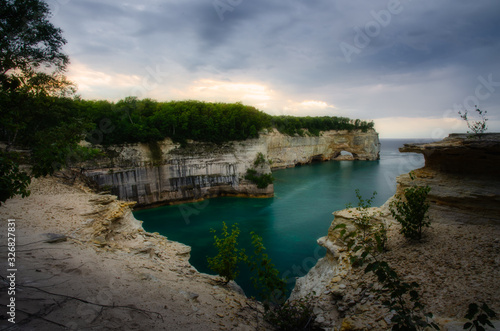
(456, 263)
(84, 262)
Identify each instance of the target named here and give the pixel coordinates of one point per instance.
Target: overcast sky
(407, 65)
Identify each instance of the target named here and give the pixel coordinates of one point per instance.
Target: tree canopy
(27, 39)
(37, 112)
(40, 113)
(132, 120)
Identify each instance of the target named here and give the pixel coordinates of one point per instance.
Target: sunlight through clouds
(285, 57)
(252, 93)
(92, 81)
(309, 108)
(409, 127)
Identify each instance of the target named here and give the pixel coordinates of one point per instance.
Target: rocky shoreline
(84, 262)
(170, 173)
(456, 263)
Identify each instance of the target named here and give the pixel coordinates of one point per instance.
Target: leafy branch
(365, 245)
(410, 210)
(479, 316)
(477, 126)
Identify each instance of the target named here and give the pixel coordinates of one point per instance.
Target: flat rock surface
(84, 262)
(456, 263)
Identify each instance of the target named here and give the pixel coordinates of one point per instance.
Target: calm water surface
(292, 221)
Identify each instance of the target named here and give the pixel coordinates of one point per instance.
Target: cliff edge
(456, 263)
(84, 262)
(166, 172)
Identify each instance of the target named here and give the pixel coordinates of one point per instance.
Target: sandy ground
(105, 273)
(456, 263)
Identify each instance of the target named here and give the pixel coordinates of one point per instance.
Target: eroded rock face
(286, 151)
(169, 173)
(461, 154)
(455, 262)
(177, 174)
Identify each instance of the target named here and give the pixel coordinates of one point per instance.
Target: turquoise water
(292, 221)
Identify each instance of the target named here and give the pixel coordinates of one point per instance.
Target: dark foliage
(479, 317)
(134, 120)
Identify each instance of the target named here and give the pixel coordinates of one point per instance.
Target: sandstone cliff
(85, 263)
(455, 264)
(167, 172)
(286, 151)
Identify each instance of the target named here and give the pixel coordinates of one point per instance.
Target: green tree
(229, 255)
(37, 112)
(266, 279)
(27, 39)
(410, 210)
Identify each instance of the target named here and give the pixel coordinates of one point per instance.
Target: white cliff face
(169, 173)
(286, 151)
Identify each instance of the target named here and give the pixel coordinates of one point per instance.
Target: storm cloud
(387, 60)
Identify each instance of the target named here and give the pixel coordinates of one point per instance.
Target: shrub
(271, 287)
(225, 263)
(13, 180)
(479, 316)
(363, 219)
(282, 314)
(365, 245)
(293, 315)
(411, 211)
(261, 180)
(259, 160)
(478, 126)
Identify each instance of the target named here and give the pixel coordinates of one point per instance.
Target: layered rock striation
(286, 151)
(455, 264)
(87, 264)
(475, 156)
(167, 172)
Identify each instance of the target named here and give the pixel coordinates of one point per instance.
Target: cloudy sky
(407, 65)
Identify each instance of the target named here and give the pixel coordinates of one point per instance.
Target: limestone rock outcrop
(286, 151)
(171, 173)
(167, 172)
(455, 264)
(461, 154)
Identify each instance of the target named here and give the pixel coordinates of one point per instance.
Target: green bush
(479, 316)
(229, 255)
(13, 181)
(259, 160)
(366, 245)
(266, 280)
(411, 209)
(280, 313)
(293, 315)
(477, 126)
(261, 180)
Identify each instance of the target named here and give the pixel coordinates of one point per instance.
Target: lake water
(292, 221)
